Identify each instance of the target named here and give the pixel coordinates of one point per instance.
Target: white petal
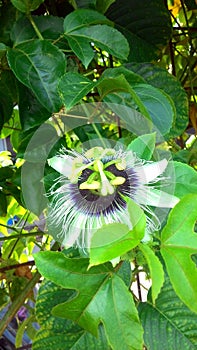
(149, 172)
(156, 198)
(61, 164)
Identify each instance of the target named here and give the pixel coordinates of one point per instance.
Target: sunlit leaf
(59, 332)
(178, 245)
(113, 240)
(108, 299)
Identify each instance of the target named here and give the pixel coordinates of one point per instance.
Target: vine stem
(35, 27)
(18, 302)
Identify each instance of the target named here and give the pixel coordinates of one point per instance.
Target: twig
(18, 302)
(22, 235)
(15, 266)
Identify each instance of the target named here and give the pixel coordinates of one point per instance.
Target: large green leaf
(58, 332)
(118, 87)
(113, 240)
(38, 64)
(107, 300)
(81, 29)
(160, 78)
(169, 324)
(159, 105)
(178, 244)
(138, 23)
(127, 89)
(26, 6)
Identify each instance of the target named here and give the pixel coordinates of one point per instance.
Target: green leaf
(113, 240)
(81, 29)
(27, 6)
(73, 87)
(178, 244)
(160, 78)
(131, 77)
(109, 242)
(59, 332)
(185, 179)
(108, 299)
(118, 84)
(159, 105)
(156, 270)
(83, 18)
(143, 146)
(50, 27)
(168, 324)
(38, 65)
(153, 103)
(125, 272)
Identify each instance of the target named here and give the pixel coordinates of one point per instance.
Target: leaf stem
(35, 27)
(99, 135)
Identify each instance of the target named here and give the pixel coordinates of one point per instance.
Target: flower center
(101, 180)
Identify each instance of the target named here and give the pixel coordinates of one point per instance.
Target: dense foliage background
(54, 56)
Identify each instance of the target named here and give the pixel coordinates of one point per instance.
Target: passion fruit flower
(94, 187)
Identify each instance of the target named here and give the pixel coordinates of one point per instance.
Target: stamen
(121, 165)
(95, 185)
(119, 180)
